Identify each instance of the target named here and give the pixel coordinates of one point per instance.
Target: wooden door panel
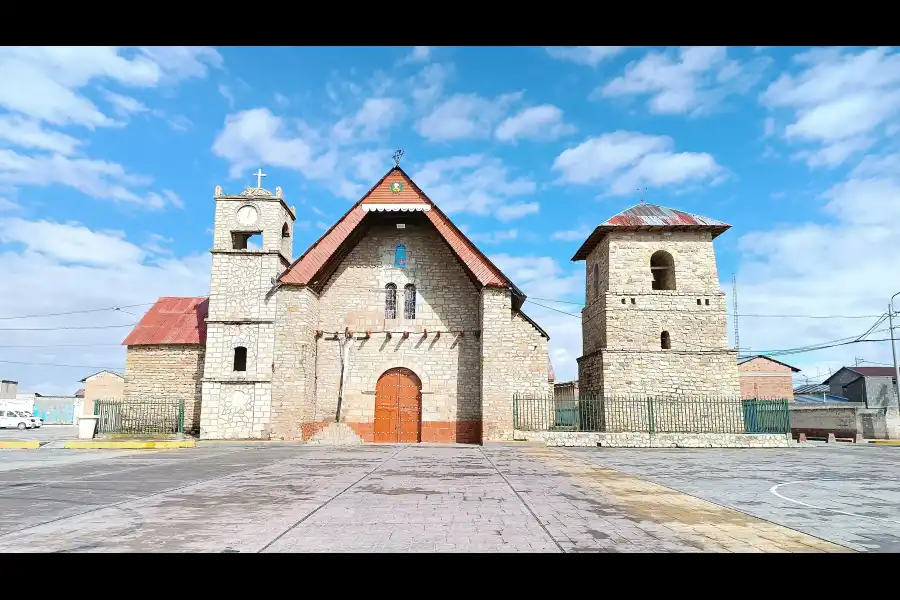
(398, 407)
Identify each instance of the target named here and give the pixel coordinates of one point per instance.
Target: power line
(729, 314)
(78, 312)
(56, 345)
(66, 328)
(13, 362)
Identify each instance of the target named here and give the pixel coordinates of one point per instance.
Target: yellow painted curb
(100, 445)
(885, 442)
(20, 445)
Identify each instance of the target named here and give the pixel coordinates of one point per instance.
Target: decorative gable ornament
(400, 257)
(396, 187)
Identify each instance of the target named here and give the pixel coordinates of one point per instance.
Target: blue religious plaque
(400, 257)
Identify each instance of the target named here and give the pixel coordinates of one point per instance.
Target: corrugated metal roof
(171, 321)
(812, 388)
(650, 217)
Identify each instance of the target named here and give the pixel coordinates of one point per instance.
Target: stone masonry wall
(627, 322)
(657, 440)
(447, 301)
(514, 360)
(294, 373)
(761, 378)
(237, 404)
(166, 373)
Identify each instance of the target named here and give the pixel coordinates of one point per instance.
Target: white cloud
(543, 122)
(48, 79)
(465, 116)
(8, 205)
(51, 267)
(95, 178)
(494, 237)
(584, 55)
(418, 54)
(694, 82)
(573, 235)
(428, 84)
(781, 268)
(474, 184)
(124, 106)
(626, 161)
(510, 212)
(375, 116)
(840, 100)
(25, 133)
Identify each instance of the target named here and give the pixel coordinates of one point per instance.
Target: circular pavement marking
(774, 490)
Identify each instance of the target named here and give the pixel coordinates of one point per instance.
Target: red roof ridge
(482, 268)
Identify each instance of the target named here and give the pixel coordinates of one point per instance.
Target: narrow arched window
(285, 231)
(390, 301)
(240, 359)
(662, 266)
(400, 256)
(595, 277)
(409, 301)
(665, 341)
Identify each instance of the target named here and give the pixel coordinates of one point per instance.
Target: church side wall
(514, 361)
(172, 372)
(294, 371)
(448, 366)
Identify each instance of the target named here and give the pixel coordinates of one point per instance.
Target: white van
(11, 418)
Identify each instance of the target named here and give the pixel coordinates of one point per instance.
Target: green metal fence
(651, 414)
(140, 416)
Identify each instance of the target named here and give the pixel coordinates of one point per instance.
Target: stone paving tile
(368, 499)
(846, 493)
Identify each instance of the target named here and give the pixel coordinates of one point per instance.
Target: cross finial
(642, 195)
(259, 175)
(397, 156)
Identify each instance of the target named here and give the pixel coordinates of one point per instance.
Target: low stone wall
(657, 440)
(845, 421)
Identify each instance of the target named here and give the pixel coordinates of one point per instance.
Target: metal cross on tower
(259, 175)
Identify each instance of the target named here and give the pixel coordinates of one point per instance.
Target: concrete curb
(133, 445)
(20, 445)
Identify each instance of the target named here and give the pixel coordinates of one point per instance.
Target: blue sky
(109, 158)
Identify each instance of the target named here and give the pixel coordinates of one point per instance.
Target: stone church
(391, 327)
(654, 319)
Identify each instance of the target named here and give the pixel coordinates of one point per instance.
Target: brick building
(392, 326)
(764, 377)
(654, 319)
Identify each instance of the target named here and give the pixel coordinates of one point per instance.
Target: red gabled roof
(171, 321)
(302, 271)
(649, 217)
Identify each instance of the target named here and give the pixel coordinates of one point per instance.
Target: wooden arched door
(398, 407)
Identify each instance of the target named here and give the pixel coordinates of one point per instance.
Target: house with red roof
(654, 319)
(392, 327)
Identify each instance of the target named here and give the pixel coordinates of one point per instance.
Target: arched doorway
(398, 407)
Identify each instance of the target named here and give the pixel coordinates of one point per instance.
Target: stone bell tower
(252, 245)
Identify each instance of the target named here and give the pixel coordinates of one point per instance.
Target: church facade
(654, 320)
(391, 327)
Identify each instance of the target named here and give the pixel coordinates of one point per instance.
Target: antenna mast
(737, 335)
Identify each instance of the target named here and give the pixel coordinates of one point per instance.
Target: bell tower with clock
(252, 246)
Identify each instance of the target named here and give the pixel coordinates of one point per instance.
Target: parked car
(11, 418)
(36, 421)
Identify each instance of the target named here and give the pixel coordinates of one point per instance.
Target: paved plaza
(431, 498)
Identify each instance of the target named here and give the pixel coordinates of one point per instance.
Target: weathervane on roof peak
(397, 156)
(642, 195)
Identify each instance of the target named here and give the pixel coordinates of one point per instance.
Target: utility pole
(893, 349)
(737, 336)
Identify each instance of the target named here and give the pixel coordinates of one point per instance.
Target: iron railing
(651, 414)
(140, 416)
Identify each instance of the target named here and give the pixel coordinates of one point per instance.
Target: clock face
(247, 215)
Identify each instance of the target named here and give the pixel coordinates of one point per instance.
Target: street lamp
(894, 350)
